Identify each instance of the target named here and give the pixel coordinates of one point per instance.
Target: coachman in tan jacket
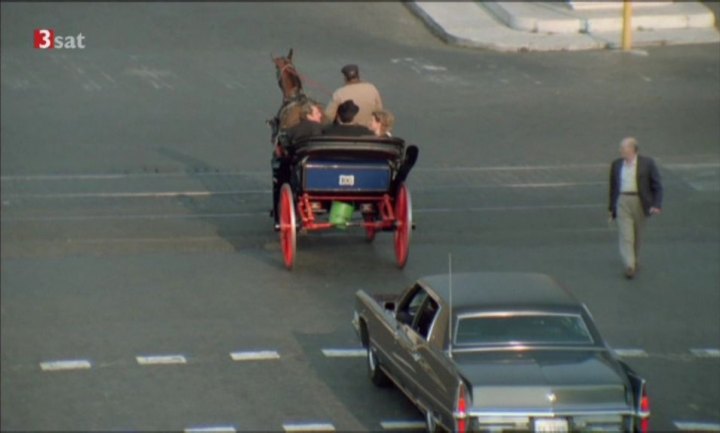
(365, 95)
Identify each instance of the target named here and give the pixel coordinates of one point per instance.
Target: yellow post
(627, 25)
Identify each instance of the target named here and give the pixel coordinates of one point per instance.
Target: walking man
(635, 193)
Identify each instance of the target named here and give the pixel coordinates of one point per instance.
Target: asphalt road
(135, 190)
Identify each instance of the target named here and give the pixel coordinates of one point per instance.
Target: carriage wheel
(403, 225)
(288, 230)
(369, 231)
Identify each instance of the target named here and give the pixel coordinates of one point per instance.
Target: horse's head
(287, 76)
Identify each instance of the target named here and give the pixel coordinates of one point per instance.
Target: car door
(405, 340)
(431, 382)
(424, 378)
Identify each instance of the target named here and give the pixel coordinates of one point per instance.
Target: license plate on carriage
(550, 425)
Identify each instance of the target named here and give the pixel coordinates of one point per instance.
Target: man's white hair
(629, 142)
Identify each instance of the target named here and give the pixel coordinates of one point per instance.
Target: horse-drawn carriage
(339, 182)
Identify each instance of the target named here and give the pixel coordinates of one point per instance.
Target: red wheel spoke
(287, 226)
(403, 216)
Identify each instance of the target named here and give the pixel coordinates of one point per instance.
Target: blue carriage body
(337, 175)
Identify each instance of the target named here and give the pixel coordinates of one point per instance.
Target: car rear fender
(638, 388)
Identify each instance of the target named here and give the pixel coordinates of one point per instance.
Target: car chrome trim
(533, 414)
(524, 347)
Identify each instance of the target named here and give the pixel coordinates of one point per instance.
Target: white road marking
(550, 184)
(508, 208)
(288, 427)
(515, 167)
(70, 364)
(257, 214)
(159, 194)
(344, 353)
(211, 429)
(172, 194)
(255, 356)
(161, 359)
(107, 176)
(630, 353)
(706, 353)
(697, 426)
(134, 217)
(402, 425)
(681, 165)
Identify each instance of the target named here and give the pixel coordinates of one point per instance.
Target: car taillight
(461, 407)
(644, 411)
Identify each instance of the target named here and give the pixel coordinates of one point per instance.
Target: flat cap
(350, 71)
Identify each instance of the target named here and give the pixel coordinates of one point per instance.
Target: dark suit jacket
(347, 130)
(306, 128)
(649, 186)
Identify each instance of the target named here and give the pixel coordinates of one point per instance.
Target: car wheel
(377, 376)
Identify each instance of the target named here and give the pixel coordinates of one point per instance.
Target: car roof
(492, 291)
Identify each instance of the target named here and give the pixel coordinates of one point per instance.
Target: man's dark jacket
(347, 130)
(649, 186)
(306, 128)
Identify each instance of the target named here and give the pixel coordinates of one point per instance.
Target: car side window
(425, 317)
(409, 306)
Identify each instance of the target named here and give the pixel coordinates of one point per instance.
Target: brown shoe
(629, 273)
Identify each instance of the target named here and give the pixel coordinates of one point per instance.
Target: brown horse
(293, 95)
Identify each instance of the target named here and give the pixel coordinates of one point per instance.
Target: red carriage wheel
(288, 230)
(403, 225)
(369, 231)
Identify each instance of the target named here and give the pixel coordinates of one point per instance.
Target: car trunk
(543, 381)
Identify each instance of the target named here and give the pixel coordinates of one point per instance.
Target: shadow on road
(251, 239)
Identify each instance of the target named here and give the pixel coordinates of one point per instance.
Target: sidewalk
(562, 26)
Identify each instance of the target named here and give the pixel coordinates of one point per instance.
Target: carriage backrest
(348, 164)
(329, 147)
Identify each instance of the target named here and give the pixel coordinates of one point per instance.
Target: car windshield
(521, 329)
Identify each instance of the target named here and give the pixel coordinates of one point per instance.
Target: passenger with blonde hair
(382, 123)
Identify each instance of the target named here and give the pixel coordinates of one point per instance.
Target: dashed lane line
(211, 429)
(402, 425)
(692, 426)
(310, 427)
(156, 194)
(631, 353)
(69, 364)
(706, 352)
(161, 359)
(344, 353)
(260, 355)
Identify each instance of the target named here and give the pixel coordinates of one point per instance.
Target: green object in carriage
(341, 213)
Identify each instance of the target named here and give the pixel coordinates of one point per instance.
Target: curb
(474, 25)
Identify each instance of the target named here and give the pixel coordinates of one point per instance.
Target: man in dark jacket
(635, 193)
(311, 117)
(344, 126)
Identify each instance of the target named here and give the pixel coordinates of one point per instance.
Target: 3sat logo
(46, 39)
